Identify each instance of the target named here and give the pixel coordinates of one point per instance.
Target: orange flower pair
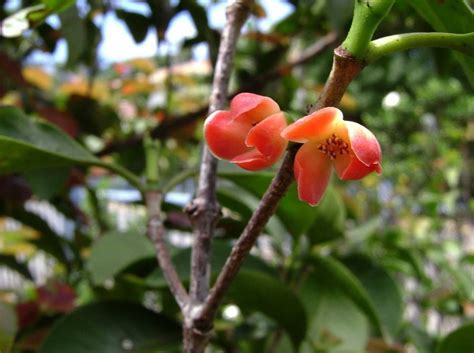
(254, 135)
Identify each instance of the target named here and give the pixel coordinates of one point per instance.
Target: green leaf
(242, 201)
(16, 24)
(336, 324)
(458, 341)
(8, 327)
(112, 327)
(47, 183)
(296, 216)
(257, 291)
(75, 33)
(58, 5)
(382, 289)
(219, 253)
(113, 252)
(137, 24)
(329, 219)
(343, 278)
(453, 16)
(29, 144)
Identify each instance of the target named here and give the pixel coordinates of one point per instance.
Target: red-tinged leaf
(27, 313)
(62, 119)
(56, 297)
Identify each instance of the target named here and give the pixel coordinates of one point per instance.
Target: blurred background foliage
(381, 265)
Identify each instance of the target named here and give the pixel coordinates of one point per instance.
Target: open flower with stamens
(248, 135)
(329, 141)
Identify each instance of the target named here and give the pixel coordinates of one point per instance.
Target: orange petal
(252, 108)
(366, 154)
(225, 137)
(269, 145)
(317, 126)
(253, 160)
(312, 173)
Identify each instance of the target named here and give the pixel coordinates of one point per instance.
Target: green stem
(367, 16)
(179, 178)
(152, 156)
(388, 45)
(124, 173)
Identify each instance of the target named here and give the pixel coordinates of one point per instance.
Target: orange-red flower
(330, 141)
(248, 135)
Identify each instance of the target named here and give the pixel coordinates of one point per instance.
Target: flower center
(334, 146)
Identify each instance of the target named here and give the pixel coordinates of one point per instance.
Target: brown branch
(169, 125)
(156, 233)
(204, 209)
(344, 69)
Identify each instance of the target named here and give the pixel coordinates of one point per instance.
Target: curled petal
(312, 173)
(349, 167)
(268, 145)
(225, 137)
(252, 108)
(366, 154)
(364, 144)
(317, 126)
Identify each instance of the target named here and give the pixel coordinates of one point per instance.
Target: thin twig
(156, 233)
(204, 210)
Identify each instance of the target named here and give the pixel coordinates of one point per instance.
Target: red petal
(252, 160)
(364, 144)
(225, 137)
(348, 167)
(366, 156)
(312, 173)
(252, 108)
(317, 126)
(269, 145)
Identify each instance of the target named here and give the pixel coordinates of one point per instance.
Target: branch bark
(156, 233)
(204, 210)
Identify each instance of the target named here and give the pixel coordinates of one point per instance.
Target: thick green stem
(367, 16)
(388, 45)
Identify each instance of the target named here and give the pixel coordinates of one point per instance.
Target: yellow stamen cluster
(334, 146)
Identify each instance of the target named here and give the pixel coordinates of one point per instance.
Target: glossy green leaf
(336, 324)
(257, 291)
(8, 327)
(382, 289)
(112, 327)
(459, 341)
(244, 202)
(449, 16)
(113, 252)
(219, 253)
(29, 144)
(296, 216)
(343, 278)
